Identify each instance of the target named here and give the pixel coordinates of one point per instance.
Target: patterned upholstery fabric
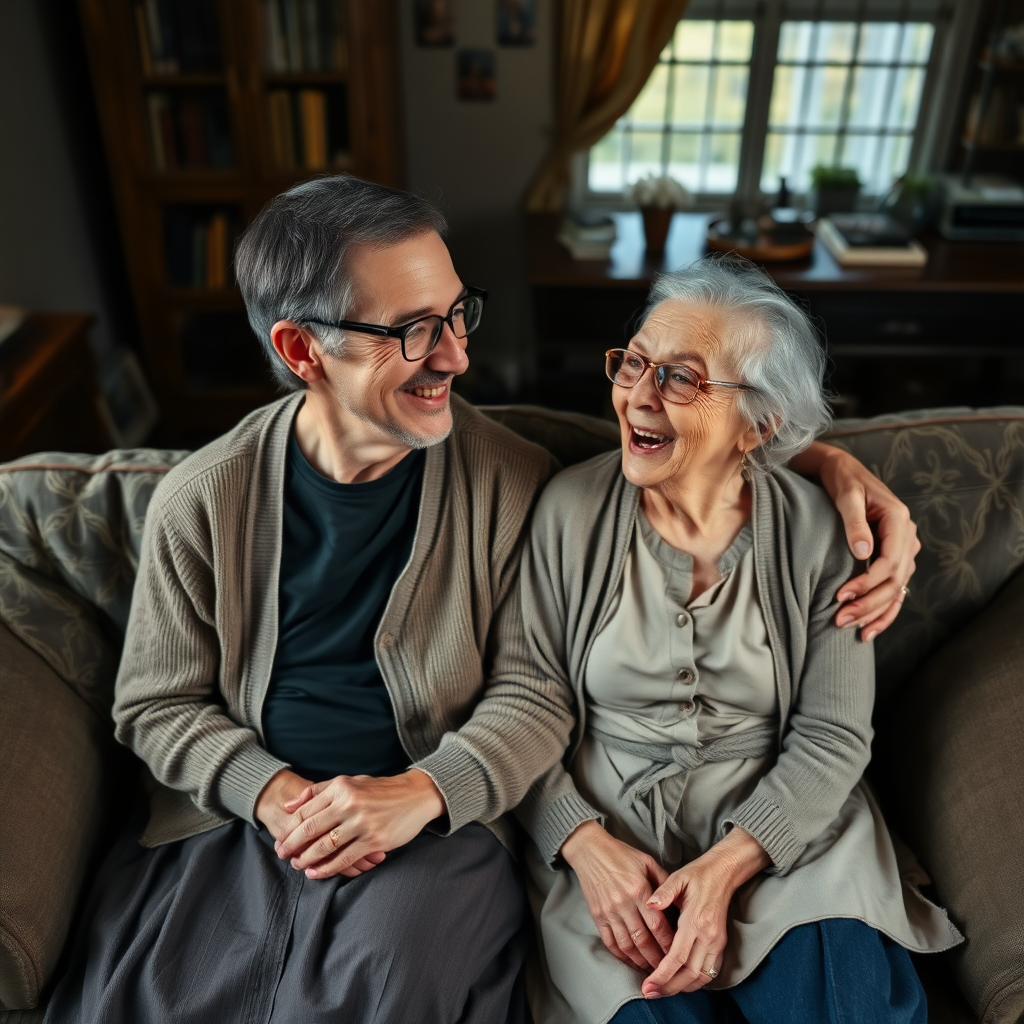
(961, 473)
(70, 534)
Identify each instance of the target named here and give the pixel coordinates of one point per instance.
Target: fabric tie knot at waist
(642, 790)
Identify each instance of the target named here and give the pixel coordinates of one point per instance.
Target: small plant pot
(835, 200)
(656, 224)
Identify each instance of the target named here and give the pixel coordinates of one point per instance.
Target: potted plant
(658, 198)
(835, 189)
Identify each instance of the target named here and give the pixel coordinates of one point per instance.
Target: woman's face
(703, 439)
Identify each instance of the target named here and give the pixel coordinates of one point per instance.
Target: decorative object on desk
(517, 22)
(913, 200)
(764, 240)
(834, 189)
(587, 234)
(128, 406)
(475, 75)
(658, 198)
(869, 240)
(435, 22)
(11, 318)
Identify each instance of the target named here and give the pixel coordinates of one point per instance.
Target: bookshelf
(208, 109)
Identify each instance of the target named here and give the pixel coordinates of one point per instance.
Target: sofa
(948, 761)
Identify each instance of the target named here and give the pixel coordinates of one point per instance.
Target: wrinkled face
(662, 442)
(378, 393)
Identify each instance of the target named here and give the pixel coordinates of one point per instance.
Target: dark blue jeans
(830, 972)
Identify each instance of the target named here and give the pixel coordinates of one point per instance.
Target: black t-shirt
(327, 711)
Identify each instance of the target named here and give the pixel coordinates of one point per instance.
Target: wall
(58, 239)
(475, 159)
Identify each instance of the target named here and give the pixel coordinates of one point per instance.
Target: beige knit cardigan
(203, 629)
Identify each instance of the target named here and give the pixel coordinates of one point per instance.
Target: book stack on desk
(869, 240)
(587, 235)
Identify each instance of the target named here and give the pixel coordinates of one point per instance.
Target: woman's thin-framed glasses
(675, 382)
(420, 337)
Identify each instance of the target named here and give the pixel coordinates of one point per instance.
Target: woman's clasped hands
(628, 893)
(346, 825)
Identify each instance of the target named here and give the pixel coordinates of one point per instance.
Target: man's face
(377, 394)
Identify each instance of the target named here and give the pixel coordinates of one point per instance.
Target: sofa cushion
(70, 534)
(55, 755)
(570, 436)
(961, 472)
(952, 757)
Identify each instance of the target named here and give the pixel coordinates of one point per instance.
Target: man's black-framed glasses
(420, 337)
(675, 382)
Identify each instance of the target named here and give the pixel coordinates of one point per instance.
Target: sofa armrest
(52, 766)
(950, 769)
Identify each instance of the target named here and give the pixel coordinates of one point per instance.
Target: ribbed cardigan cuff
(463, 782)
(242, 778)
(559, 820)
(767, 824)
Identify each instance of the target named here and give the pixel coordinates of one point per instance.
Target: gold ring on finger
(905, 591)
(334, 837)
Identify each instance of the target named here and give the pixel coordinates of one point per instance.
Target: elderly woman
(708, 839)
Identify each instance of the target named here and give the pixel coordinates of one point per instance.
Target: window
(746, 93)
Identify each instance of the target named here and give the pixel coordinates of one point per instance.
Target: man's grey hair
(771, 343)
(292, 260)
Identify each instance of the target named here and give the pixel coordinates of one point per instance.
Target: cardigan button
(684, 675)
(386, 641)
(686, 706)
(682, 618)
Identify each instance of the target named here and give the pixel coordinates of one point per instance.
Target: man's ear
(298, 349)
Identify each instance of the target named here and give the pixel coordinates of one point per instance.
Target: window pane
(643, 154)
(772, 167)
(787, 95)
(694, 40)
(879, 42)
(835, 41)
(826, 98)
(795, 40)
(906, 98)
(917, 44)
(870, 93)
(690, 94)
(861, 153)
(730, 96)
(649, 106)
(735, 40)
(723, 163)
(605, 170)
(893, 162)
(684, 159)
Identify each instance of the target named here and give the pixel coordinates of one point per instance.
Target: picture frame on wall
(516, 22)
(435, 22)
(476, 79)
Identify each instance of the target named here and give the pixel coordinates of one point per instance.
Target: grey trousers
(216, 928)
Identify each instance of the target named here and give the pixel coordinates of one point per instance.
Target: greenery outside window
(745, 93)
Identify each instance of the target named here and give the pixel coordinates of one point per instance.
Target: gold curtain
(606, 49)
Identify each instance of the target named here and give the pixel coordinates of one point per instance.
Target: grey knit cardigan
(203, 628)
(824, 676)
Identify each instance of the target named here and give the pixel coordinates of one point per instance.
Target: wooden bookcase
(193, 133)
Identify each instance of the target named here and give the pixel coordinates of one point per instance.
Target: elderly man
(321, 599)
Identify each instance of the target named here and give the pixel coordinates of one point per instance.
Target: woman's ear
(768, 428)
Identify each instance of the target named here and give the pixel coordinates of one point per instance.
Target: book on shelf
(304, 36)
(189, 131)
(197, 245)
(869, 240)
(178, 37)
(300, 133)
(587, 235)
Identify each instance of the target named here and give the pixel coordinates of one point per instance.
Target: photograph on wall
(435, 22)
(475, 75)
(517, 22)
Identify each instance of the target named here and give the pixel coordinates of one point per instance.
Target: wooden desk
(49, 396)
(951, 332)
